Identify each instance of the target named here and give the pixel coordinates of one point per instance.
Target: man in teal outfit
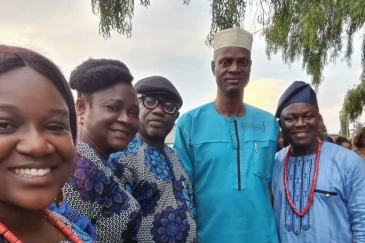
(228, 148)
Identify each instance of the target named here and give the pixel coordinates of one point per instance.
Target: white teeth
(40, 172)
(32, 172)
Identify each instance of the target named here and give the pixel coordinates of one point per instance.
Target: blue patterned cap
(298, 91)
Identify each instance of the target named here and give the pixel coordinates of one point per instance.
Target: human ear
(213, 67)
(80, 107)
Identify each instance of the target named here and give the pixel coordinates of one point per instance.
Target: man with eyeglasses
(152, 171)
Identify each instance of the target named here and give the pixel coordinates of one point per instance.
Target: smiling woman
(108, 112)
(37, 134)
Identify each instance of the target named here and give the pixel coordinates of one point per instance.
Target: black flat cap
(158, 85)
(298, 91)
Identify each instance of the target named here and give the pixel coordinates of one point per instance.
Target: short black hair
(340, 139)
(12, 57)
(97, 74)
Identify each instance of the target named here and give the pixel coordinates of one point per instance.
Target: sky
(168, 39)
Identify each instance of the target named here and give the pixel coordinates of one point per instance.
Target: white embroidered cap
(233, 37)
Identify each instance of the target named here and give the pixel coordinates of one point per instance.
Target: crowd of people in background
(99, 169)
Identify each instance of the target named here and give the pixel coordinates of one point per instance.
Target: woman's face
(110, 118)
(36, 147)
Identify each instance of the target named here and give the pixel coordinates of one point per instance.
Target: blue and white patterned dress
(96, 194)
(157, 180)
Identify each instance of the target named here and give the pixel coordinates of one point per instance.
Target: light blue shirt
(229, 161)
(337, 214)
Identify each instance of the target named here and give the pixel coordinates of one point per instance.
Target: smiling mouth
(121, 134)
(301, 134)
(233, 80)
(27, 172)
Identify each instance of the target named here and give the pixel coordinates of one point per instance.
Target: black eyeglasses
(169, 107)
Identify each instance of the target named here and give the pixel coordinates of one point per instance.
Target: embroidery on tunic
(300, 182)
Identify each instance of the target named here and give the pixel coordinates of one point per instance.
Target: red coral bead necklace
(314, 183)
(11, 238)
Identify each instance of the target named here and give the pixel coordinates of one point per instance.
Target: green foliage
(117, 15)
(225, 14)
(355, 102)
(313, 31)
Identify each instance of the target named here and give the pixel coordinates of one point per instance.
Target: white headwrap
(233, 37)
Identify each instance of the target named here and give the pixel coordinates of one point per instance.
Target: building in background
(344, 125)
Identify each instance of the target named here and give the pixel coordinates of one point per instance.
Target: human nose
(234, 67)
(158, 109)
(300, 122)
(35, 143)
(125, 118)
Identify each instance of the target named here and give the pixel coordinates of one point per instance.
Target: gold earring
(60, 199)
(80, 120)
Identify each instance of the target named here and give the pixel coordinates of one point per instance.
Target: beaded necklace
(314, 183)
(11, 238)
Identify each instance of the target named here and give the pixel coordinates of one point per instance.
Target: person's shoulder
(82, 227)
(134, 148)
(199, 109)
(170, 150)
(136, 144)
(340, 154)
(261, 117)
(336, 150)
(282, 153)
(196, 112)
(259, 112)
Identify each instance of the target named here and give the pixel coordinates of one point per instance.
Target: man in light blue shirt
(228, 148)
(319, 187)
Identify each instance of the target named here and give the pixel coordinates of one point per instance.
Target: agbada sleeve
(356, 200)
(182, 145)
(272, 162)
